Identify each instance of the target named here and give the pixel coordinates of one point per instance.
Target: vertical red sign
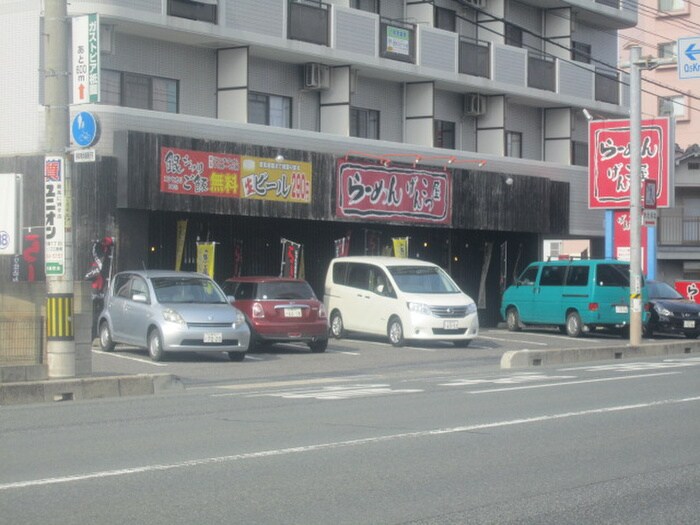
(622, 239)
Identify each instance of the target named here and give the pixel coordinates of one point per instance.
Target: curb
(51, 390)
(534, 358)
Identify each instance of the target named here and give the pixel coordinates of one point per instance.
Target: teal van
(575, 295)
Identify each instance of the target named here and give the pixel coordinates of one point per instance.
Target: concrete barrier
(533, 358)
(51, 390)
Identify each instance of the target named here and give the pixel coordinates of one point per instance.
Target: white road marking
(522, 378)
(293, 382)
(129, 357)
(337, 444)
(635, 366)
(342, 352)
(338, 392)
(567, 383)
(512, 340)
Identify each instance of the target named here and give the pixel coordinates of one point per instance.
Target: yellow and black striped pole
(59, 317)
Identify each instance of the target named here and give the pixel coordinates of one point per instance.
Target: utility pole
(59, 284)
(635, 198)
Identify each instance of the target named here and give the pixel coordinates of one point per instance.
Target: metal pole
(60, 345)
(635, 198)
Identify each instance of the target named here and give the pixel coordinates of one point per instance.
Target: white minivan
(401, 298)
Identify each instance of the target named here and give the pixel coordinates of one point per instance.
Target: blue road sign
(85, 129)
(689, 57)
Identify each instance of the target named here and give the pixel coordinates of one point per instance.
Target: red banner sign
(199, 173)
(622, 239)
(689, 290)
(375, 192)
(609, 161)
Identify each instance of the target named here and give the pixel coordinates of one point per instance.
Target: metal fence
(21, 341)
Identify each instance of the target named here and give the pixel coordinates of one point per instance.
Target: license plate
(292, 312)
(688, 324)
(212, 337)
(450, 325)
(621, 309)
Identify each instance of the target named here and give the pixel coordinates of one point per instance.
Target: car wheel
(691, 335)
(574, 328)
(395, 332)
(337, 329)
(236, 356)
(462, 343)
(513, 319)
(106, 343)
(155, 345)
(318, 346)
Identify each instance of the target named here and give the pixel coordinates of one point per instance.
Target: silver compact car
(168, 311)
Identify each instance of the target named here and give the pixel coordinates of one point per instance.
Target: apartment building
(455, 123)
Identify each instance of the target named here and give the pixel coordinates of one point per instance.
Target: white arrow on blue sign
(689, 57)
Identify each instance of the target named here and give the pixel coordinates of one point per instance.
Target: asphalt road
(425, 439)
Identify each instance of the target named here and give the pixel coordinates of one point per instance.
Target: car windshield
(285, 290)
(187, 290)
(423, 279)
(660, 290)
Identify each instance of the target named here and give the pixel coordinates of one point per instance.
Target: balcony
(309, 21)
(474, 57)
(678, 230)
(541, 71)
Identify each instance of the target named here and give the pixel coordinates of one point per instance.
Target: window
(666, 6)
(445, 19)
(514, 35)
(667, 49)
(673, 106)
(270, 110)
(552, 276)
(529, 276)
(613, 275)
(371, 6)
(139, 286)
(514, 144)
(133, 90)
(579, 153)
(204, 10)
(364, 123)
(444, 134)
(581, 52)
(577, 276)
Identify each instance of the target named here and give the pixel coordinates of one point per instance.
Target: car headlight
(471, 308)
(172, 316)
(240, 318)
(420, 308)
(665, 312)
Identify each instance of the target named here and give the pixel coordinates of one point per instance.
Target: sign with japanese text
(689, 289)
(54, 216)
(199, 173)
(609, 162)
(622, 238)
(235, 176)
(86, 59)
(267, 179)
(380, 193)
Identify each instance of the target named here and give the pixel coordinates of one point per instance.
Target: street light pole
(635, 198)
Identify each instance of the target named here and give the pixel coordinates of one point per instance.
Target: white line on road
(567, 383)
(129, 357)
(336, 444)
(512, 340)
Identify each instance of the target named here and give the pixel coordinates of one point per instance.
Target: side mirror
(139, 298)
(379, 289)
(230, 298)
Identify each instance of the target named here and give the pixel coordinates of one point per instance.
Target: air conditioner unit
(317, 76)
(474, 104)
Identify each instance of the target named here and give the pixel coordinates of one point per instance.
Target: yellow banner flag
(400, 246)
(180, 243)
(205, 258)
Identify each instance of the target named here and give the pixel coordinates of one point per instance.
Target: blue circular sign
(85, 129)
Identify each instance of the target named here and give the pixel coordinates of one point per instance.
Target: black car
(670, 312)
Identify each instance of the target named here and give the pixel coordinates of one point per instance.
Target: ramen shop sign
(609, 161)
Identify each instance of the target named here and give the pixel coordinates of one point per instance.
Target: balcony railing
(679, 230)
(541, 73)
(309, 21)
(474, 57)
(607, 87)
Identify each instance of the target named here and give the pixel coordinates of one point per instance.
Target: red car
(280, 309)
